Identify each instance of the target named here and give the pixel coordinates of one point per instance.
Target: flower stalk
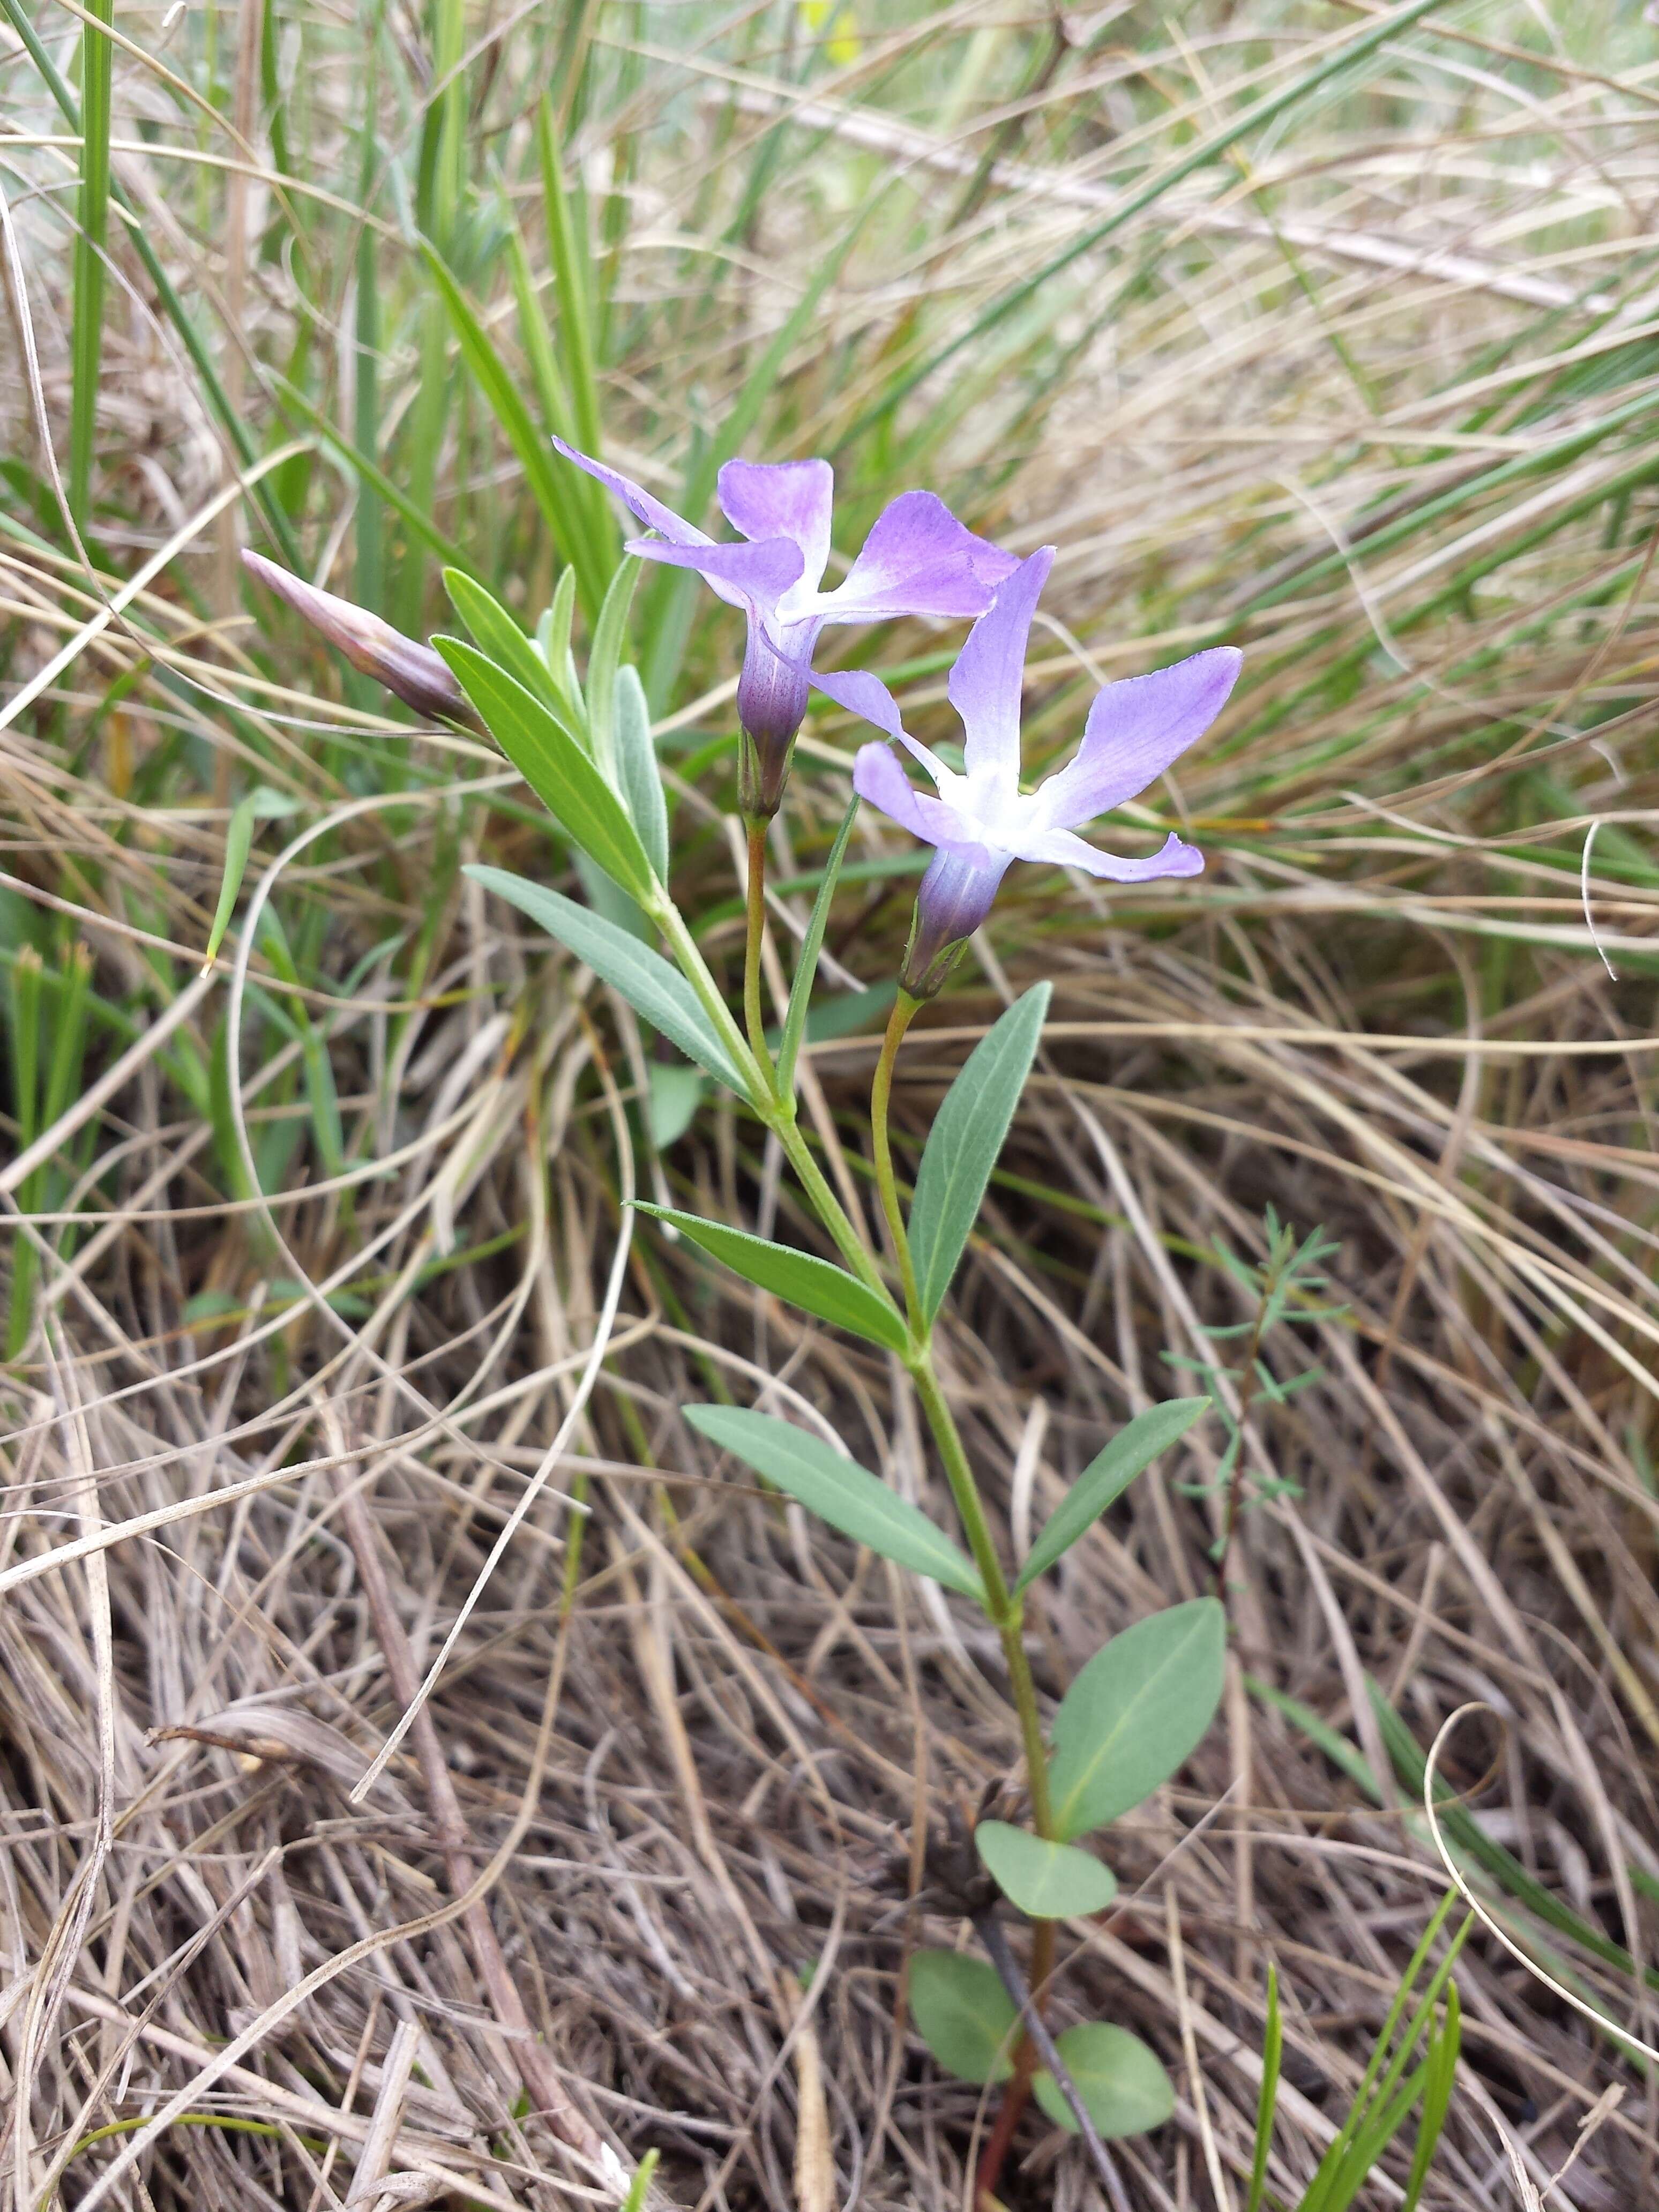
(754, 1013)
(904, 1011)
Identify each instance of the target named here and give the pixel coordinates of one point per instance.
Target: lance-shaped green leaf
(806, 967)
(1046, 1881)
(966, 1136)
(803, 1280)
(1122, 2084)
(658, 993)
(1106, 1478)
(1135, 1712)
(555, 764)
(605, 658)
(497, 635)
(839, 1491)
(261, 805)
(963, 2015)
(639, 773)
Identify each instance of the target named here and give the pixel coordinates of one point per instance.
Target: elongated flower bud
(955, 898)
(772, 694)
(410, 672)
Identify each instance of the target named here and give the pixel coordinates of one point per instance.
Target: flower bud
(410, 672)
(955, 898)
(772, 694)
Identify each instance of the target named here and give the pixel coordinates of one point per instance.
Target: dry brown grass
(679, 1785)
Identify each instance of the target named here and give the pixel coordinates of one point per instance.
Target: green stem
(695, 968)
(852, 1246)
(777, 1113)
(1005, 1611)
(754, 1013)
(904, 1011)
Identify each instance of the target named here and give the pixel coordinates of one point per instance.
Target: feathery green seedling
(1283, 1286)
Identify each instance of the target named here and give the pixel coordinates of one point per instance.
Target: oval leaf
(1107, 1477)
(677, 1091)
(839, 1491)
(805, 1281)
(656, 991)
(555, 764)
(1046, 1881)
(1135, 1712)
(1123, 2085)
(963, 2015)
(966, 1137)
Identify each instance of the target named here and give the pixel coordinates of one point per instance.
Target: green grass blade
(1267, 2103)
(571, 262)
(416, 519)
(800, 988)
(1441, 2075)
(500, 387)
(1200, 156)
(92, 232)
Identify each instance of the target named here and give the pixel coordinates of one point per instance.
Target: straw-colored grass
(324, 1248)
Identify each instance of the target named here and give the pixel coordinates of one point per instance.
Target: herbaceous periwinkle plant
(1138, 1707)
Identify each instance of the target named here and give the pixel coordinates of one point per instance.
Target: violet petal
(877, 777)
(1135, 729)
(1065, 850)
(782, 499)
(652, 512)
(986, 682)
(918, 560)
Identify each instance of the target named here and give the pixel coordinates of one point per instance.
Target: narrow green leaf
(499, 636)
(1440, 2077)
(639, 2189)
(1107, 1477)
(839, 1491)
(639, 773)
(369, 522)
(91, 232)
(1135, 1713)
(966, 1139)
(262, 804)
(555, 765)
(553, 632)
(814, 1285)
(1046, 1881)
(366, 471)
(659, 993)
(806, 967)
(1267, 2103)
(571, 263)
(500, 387)
(963, 2015)
(605, 658)
(1123, 2085)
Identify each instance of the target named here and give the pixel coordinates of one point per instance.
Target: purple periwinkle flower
(918, 560)
(981, 820)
